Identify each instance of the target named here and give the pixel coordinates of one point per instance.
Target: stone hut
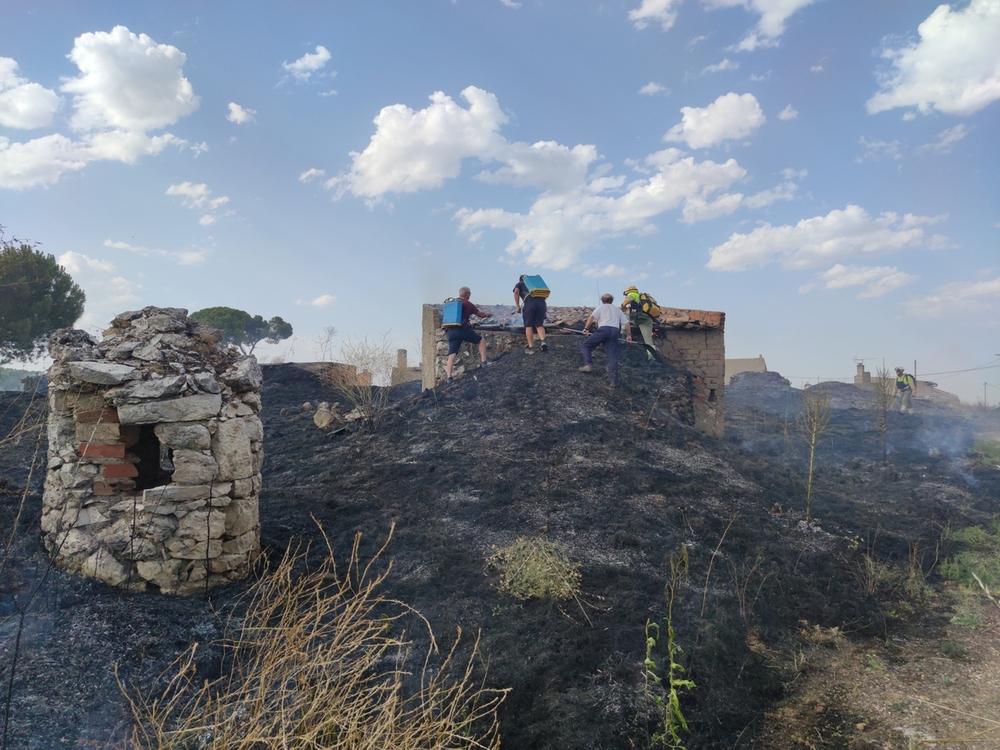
(693, 341)
(155, 453)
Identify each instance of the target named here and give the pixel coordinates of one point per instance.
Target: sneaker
(545, 347)
(528, 350)
(586, 368)
(449, 381)
(487, 363)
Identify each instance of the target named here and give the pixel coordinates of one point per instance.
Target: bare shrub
(363, 377)
(316, 663)
(884, 386)
(812, 423)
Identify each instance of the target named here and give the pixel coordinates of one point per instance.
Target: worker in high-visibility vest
(905, 385)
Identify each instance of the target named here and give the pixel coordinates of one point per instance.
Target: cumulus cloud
(23, 104)
(841, 234)
(561, 224)
(240, 115)
(303, 68)
(199, 197)
(413, 151)
(128, 85)
(875, 281)
(663, 12)
(181, 257)
(954, 67)
(580, 202)
(730, 117)
(961, 297)
(773, 15)
(128, 82)
(945, 140)
(603, 272)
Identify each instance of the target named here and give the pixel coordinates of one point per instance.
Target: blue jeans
(608, 335)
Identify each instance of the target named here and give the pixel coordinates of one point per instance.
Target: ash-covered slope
(531, 447)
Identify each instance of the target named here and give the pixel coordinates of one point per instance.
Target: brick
(114, 471)
(98, 415)
(102, 450)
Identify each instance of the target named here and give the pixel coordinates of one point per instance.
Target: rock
(245, 376)
(191, 436)
(101, 373)
(185, 409)
(194, 468)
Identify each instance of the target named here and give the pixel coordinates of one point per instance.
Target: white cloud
(954, 68)
(108, 292)
(652, 88)
(773, 15)
(413, 151)
(946, 139)
(841, 234)
(239, 115)
(875, 280)
(303, 68)
(788, 113)
(128, 85)
(730, 117)
(23, 104)
(510, 3)
(311, 174)
(127, 82)
(181, 257)
(324, 300)
(980, 298)
(198, 196)
(662, 12)
(561, 224)
(580, 201)
(726, 64)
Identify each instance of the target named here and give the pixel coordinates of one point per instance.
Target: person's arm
(517, 299)
(586, 326)
(482, 314)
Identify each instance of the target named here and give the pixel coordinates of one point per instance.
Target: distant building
(747, 364)
(402, 373)
(924, 388)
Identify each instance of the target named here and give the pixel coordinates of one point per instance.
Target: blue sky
(824, 172)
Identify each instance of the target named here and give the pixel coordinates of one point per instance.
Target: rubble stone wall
(155, 453)
(694, 341)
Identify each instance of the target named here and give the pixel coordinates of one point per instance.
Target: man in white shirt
(609, 320)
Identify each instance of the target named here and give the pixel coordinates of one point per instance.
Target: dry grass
(316, 662)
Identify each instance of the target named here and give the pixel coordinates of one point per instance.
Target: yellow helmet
(630, 290)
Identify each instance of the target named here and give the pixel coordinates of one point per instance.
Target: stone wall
(155, 452)
(690, 340)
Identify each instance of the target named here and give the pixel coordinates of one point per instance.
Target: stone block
(173, 493)
(104, 567)
(194, 467)
(156, 388)
(101, 373)
(102, 450)
(247, 487)
(185, 409)
(241, 516)
(183, 548)
(241, 545)
(202, 524)
(231, 445)
(191, 436)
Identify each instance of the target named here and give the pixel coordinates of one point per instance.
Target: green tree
(37, 297)
(243, 330)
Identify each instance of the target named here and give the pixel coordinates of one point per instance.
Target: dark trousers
(608, 336)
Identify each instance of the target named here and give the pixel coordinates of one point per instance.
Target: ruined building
(155, 452)
(692, 341)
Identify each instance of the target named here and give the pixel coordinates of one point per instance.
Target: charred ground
(531, 447)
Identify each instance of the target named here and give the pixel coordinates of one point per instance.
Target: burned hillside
(620, 479)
